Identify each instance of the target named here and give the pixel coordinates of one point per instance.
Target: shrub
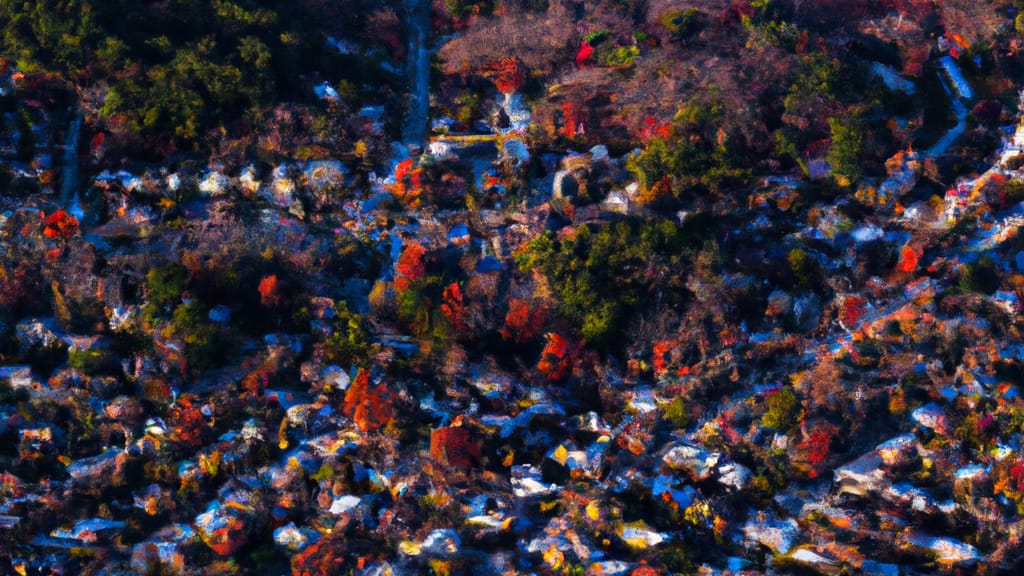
(347, 343)
(204, 342)
(682, 23)
(844, 154)
(981, 277)
(677, 413)
(805, 269)
(164, 287)
(783, 410)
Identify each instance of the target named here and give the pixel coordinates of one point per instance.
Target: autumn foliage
(320, 558)
(652, 128)
(270, 291)
(570, 119)
(258, 380)
(851, 310)
(507, 74)
(659, 194)
(556, 360)
(188, 425)
(908, 260)
(661, 349)
(1017, 474)
(523, 321)
(455, 446)
(410, 267)
(60, 224)
(408, 186)
(370, 407)
(817, 444)
(453, 308)
(584, 54)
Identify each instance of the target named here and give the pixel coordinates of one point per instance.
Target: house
(956, 201)
(617, 201)
(459, 234)
(325, 91)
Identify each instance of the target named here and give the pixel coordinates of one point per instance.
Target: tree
(597, 275)
(844, 154)
(26, 139)
(270, 291)
(369, 406)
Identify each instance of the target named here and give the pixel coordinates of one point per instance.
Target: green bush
(164, 287)
(783, 410)
(347, 343)
(981, 277)
(621, 56)
(844, 153)
(804, 268)
(683, 23)
(89, 361)
(676, 412)
(205, 343)
(1014, 191)
(594, 275)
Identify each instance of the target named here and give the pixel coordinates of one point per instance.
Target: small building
(957, 201)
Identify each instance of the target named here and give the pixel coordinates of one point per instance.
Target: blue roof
(458, 231)
(488, 264)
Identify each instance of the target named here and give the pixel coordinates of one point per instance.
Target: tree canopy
(181, 68)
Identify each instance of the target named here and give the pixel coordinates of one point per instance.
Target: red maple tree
(523, 321)
(410, 267)
(556, 360)
(453, 308)
(370, 407)
(60, 224)
(908, 260)
(507, 74)
(586, 51)
(661, 348)
(851, 310)
(455, 446)
(270, 291)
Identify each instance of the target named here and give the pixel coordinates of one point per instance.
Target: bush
(204, 341)
(164, 287)
(347, 343)
(90, 361)
(683, 23)
(677, 414)
(805, 269)
(595, 274)
(783, 410)
(980, 277)
(844, 154)
(621, 56)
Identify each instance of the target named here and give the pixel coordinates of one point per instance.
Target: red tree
(453, 307)
(661, 348)
(410, 267)
(523, 321)
(586, 51)
(507, 74)
(816, 445)
(852, 308)
(455, 446)
(556, 360)
(908, 260)
(60, 224)
(270, 291)
(370, 407)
